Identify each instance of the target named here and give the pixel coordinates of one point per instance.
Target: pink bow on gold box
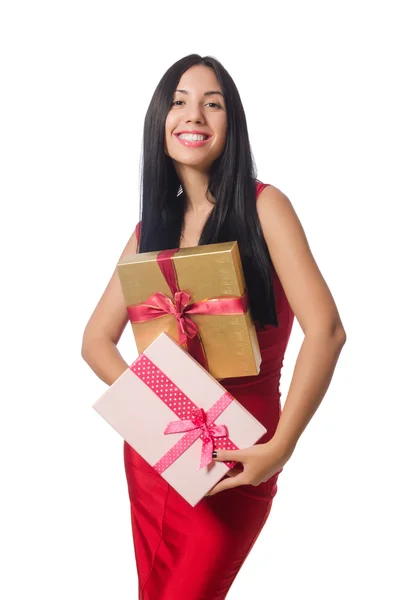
(198, 296)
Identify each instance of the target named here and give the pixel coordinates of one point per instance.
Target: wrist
(284, 448)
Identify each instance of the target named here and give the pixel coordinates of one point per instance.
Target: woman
(199, 187)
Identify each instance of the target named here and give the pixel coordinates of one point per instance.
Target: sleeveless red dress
(195, 553)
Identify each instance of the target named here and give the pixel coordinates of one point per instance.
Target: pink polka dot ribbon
(197, 422)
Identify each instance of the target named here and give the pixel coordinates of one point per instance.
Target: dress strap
(138, 232)
(260, 186)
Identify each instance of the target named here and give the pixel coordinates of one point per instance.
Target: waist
(268, 378)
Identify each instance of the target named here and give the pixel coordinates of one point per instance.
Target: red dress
(194, 553)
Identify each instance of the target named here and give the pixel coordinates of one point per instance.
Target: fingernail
(215, 454)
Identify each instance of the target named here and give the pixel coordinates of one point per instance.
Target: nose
(194, 114)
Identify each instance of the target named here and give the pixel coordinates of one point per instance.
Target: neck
(195, 184)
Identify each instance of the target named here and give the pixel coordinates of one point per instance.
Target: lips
(192, 144)
(193, 131)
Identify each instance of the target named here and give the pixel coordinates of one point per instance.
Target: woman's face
(196, 108)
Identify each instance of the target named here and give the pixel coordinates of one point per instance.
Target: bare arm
(105, 326)
(314, 308)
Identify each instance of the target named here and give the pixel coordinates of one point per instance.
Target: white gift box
(165, 389)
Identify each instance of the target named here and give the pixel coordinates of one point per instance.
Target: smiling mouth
(192, 137)
(192, 140)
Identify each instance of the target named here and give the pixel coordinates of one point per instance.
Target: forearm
(312, 375)
(104, 359)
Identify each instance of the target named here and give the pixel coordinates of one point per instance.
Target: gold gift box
(230, 341)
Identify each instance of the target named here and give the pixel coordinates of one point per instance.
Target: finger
(229, 483)
(235, 471)
(229, 455)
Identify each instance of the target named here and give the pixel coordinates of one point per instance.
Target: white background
(317, 83)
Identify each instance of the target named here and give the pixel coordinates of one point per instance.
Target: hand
(259, 463)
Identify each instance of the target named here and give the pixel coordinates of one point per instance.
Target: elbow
(339, 333)
(93, 344)
(84, 350)
(338, 338)
(342, 336)
(87, 347)
(332, 332)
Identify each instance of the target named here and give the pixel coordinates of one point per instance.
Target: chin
(190, 163)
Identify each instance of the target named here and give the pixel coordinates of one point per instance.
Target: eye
(213, 103)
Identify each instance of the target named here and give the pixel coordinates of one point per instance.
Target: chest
(191, 231)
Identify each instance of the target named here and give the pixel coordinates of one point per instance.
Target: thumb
(228, 483)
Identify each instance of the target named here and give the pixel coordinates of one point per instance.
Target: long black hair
(232, 182)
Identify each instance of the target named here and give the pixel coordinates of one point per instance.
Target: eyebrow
(210, 93)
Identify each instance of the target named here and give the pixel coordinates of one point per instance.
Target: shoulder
(267, 192)
(276, 212)
(295, 265)
(277, 216)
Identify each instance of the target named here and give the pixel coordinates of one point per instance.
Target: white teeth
(192, 137)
